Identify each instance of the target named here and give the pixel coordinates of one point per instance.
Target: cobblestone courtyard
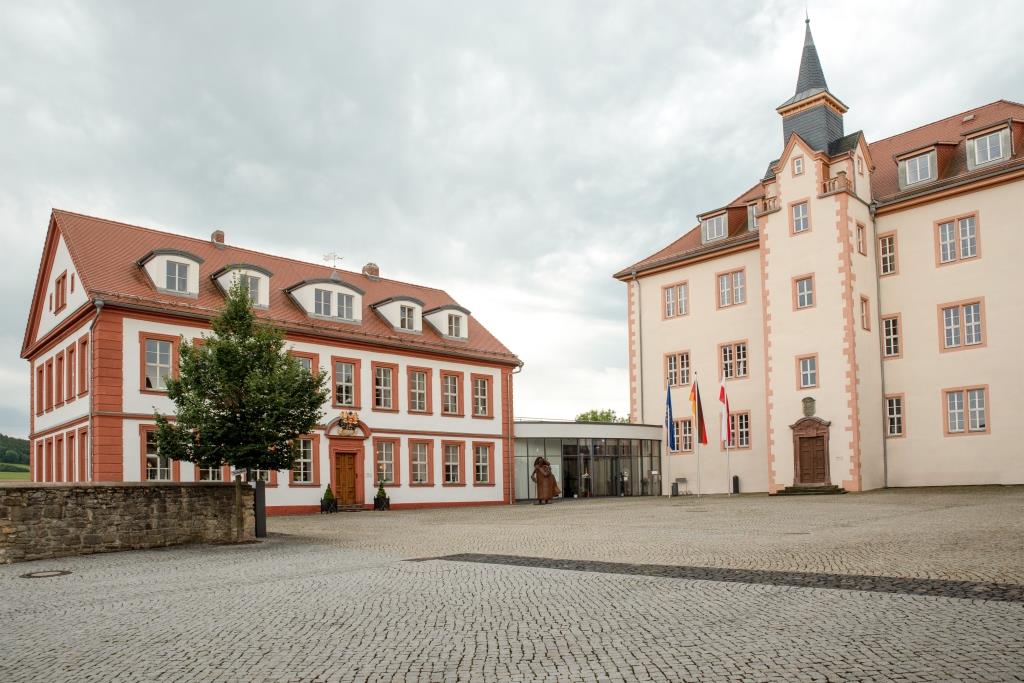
(878, 586)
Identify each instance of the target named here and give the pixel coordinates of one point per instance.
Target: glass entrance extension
(591, 466)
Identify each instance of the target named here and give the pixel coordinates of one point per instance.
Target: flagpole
(728, 469)
(697, 420)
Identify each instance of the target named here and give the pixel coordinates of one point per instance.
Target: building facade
(590, 459)
(853, 302)
(430, 386)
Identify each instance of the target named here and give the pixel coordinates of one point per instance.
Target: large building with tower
(856, 303)
(430, 386)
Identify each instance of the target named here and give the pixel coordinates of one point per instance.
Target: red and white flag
(723, 398)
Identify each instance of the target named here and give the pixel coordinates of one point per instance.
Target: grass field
(15, 476)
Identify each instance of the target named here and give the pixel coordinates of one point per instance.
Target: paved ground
(856, 587)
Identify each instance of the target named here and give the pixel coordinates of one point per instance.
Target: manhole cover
(45, 574)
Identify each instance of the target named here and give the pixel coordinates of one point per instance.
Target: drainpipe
(511, 472)
(91, 371)
(881, 361)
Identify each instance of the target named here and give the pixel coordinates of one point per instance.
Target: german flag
(698, 414)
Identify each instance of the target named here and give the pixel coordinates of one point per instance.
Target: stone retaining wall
(39, 521)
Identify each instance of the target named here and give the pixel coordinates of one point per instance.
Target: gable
(59, 292)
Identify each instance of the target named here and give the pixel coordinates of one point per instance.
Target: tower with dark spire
(813, 113)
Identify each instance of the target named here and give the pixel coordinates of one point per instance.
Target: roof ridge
(947, 118)
(244, 249)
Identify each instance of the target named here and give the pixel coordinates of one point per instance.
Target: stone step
(351, 508)
(824, 490)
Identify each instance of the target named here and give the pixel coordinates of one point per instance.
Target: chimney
(217, 238)
(372, 271)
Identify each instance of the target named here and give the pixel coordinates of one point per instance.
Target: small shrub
(328, 494)
(11, 467)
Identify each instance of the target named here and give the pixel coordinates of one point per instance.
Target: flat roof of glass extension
(569, 429)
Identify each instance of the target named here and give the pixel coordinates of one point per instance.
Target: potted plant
(328, 503)
(381, 500)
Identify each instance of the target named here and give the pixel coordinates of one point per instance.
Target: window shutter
(1005, 142)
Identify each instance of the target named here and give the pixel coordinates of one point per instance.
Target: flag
(700, 432)
(723, 398)
(669, 422)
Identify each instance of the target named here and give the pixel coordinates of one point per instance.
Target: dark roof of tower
(811, 78)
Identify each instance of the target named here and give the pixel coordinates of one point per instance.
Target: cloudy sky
(514, 154)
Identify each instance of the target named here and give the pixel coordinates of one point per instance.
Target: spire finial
(807, 15)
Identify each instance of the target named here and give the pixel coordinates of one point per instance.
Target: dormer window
(322, 300)
(407, 318)
(172, 271)
(714, 227)
(252, 285)
(751, 216)
(449, 321)
(345, 306)
(990, 147)
(329, 298)
(251, 277)
(918, 169)
(177, 277)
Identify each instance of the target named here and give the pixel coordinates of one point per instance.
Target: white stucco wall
(401, 424)
(49, 319)
(700, 332)
(925, 456)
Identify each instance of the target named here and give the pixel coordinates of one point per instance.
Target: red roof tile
(106, 252)
(885, 178)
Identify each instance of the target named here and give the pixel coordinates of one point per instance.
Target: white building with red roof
(855, 303)
(432, 388)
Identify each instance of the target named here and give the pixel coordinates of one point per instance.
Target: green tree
(240, 398)
(600, 416)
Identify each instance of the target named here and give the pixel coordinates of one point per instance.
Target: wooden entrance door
(345, 478)
(813, 465)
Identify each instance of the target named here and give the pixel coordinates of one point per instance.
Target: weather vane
(333, 258)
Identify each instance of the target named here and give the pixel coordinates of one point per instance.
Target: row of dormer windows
(329, 298)
(980, 150)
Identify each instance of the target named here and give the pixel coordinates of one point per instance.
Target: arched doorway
(810, 452)
(347, 458)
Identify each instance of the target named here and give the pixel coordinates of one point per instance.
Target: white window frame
(481, 466)
(714, 227)
(887, 254)
(978, 146)
(450, 394)
(677, 300)
(962, 325)
(302, 466)
(452, 464)
(801, 217)
(179, 276)
(158, 371)
(406, 317)
(740, 430)
(418, 391)
(481, 397)
(732, 288)
(344, 382)
(808, 372)
(323, 301)
(383, 387)
(252, 284)
(977, 418)
(454, 325)
(384, 455)
(211, 474)
(158, 467)
(893, 416)
(891, 337)
(914, 163)
(418, 463)
(805, 295)
(346, 306)
(684, 440)
(798, 166)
